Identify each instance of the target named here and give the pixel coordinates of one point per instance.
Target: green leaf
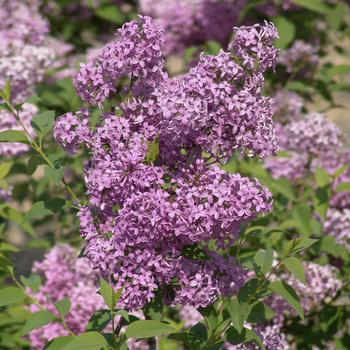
(341, 170)
(248, 290)
(301, 244)
(147, 329)
(322, 178)
(153, 151)
(247, 335)
(239, 313)
(286, 30)
(302, 215)
(154, 309)
(284, 187)
(37, 320)
(33, 282)
(251, 336)
(110, 13)
(288, 293)
(212, 47)
(63, 306)
(197, 336)
(344, 186)
(33, 163)
(55, 175)
(295, 267)
(107, 293)
(42, 209)
(7, 90)
(313, 5)
(338, 69)
(58, 343)
(86, 341)
(5, 168)
(43, 122)
(260, 313)
(13, 136)
(33, 99)
(99, 321)
(11, 295)
(264, 260)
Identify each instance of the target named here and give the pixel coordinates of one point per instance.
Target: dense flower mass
(9, 122)
(338, 226)
(288, 106)
(299, 56)
(193, 22)
(26, 53)
(150, 217)
(308, 143)
(64, 276)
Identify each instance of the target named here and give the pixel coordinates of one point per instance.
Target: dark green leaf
(33, 282)
(288, 293)
(37, 320)
(86, 341)
(99, 321)
(154, 309)
(13, 136)
(33, 163)
(295, 267)
(147, 328)
(301, 244)
(260, 313)
(197, 336)
(63, 306)
(11, 295)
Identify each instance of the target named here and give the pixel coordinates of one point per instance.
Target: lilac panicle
(144, 217)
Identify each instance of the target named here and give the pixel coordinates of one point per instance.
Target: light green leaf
(5, 168)
(86, 341)
(343, 187)
(322, 177)
(42, 209)
(33, 282)
(313, 5)
(295, 267)
(239, 313)
(59, 343)
(286, 30)
(147, 329)
(264, 260)
(107, 293)
(110, 13)
(63, 306)
(7, 90)
(13, 136)
(43, 122)
(37, 320)
(55, 175)
(302, 215)
(33, 99)
(300, 244)
(213, 47)
(11, 295)
(153, 151)
(288, 293)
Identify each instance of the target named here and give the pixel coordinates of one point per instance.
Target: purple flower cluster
(193, 22)
(299, 56)
(149, 221)
(308, 141)
(338, 226)
(64, 276)
(288, 106)
(9, 122)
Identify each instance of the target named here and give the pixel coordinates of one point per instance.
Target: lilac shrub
(193, 22)
(64, 276)
(155, 195)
